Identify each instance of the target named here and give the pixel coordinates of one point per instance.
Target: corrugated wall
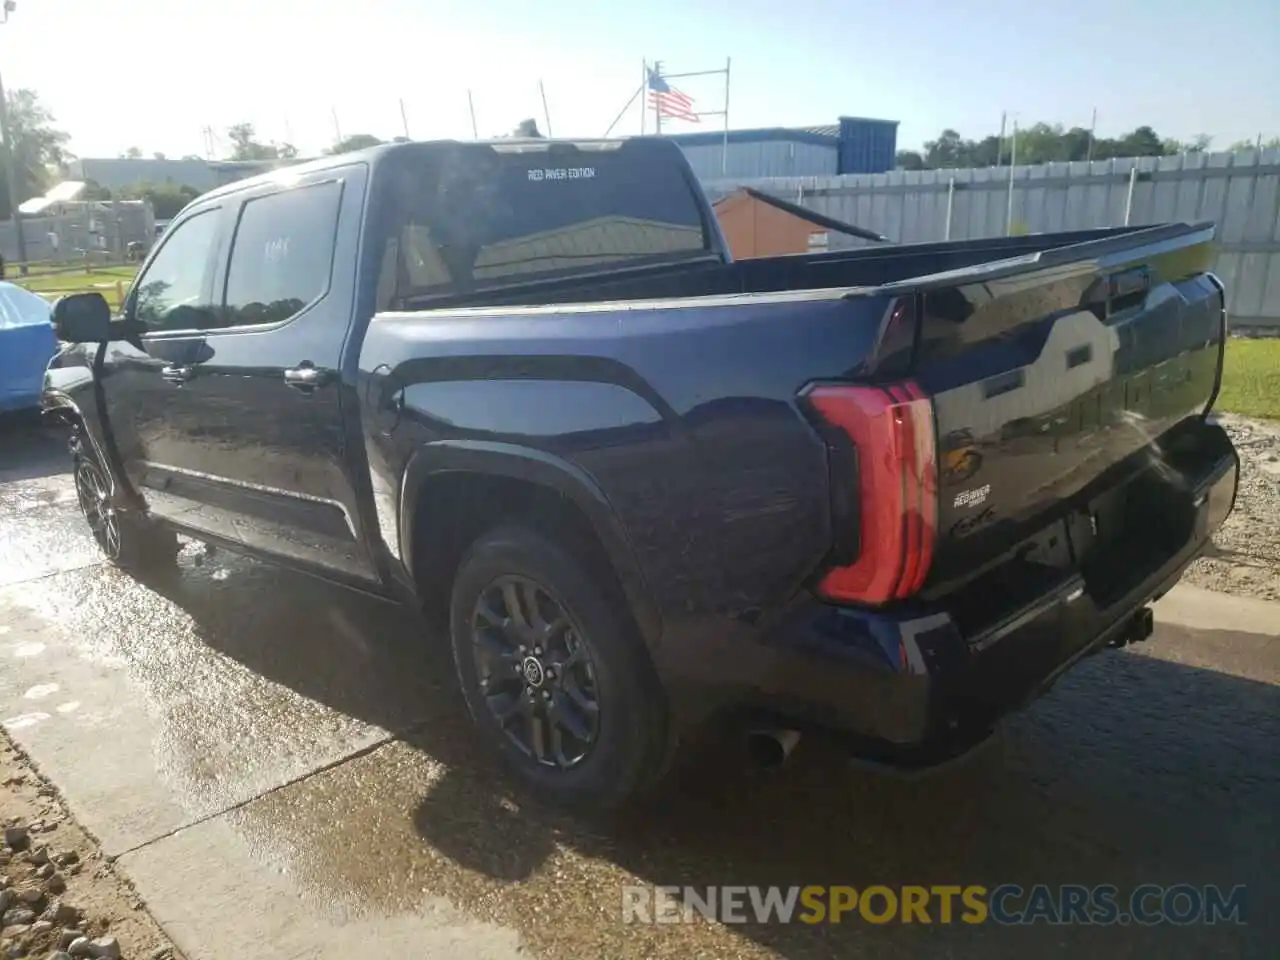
(766, 158)
(1240, 192)
(867, 146)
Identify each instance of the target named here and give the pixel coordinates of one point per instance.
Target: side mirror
(82, 318)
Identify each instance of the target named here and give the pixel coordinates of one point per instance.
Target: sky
(155, 73)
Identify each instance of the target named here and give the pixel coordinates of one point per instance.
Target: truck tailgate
(1055, 381)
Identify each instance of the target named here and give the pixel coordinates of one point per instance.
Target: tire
(600, 658)
(130, 541)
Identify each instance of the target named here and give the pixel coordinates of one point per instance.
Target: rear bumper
(909, 689)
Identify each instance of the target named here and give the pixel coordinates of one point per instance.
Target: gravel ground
(1245, 557)
(59, 898)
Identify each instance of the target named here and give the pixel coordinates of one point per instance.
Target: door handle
(306, 377)
(176, 374)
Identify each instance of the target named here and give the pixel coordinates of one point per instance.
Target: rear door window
(466, 217)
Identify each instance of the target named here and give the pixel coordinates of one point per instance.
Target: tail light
(892, 431)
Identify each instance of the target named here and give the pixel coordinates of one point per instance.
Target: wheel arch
(59, 406)
(59, 400)
(438, 471)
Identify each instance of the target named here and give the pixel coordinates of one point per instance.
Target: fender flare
(54, 401)
(529, 465)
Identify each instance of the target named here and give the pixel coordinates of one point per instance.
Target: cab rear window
(462, 217)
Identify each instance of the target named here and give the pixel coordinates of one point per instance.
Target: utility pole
(11, 166)
(1013, 161)
(724, 149)
(546, 114)
(471, 106)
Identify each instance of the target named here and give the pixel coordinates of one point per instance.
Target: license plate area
(1125, 534)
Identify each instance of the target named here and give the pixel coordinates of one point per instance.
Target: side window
(170, 294)
(282, 254)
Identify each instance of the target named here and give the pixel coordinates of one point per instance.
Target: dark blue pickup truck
(888, 493)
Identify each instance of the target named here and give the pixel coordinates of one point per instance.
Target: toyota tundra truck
(887, 494)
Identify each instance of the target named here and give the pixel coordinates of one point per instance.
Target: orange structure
(758, 225)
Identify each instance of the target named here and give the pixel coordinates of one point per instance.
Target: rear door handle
(306, 377)
(176, 374)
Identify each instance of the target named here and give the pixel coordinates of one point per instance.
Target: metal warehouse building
(854, 145)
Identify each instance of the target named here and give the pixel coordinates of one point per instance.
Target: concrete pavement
(285, 771)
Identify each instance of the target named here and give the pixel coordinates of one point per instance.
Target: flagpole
(1093, 126)
(724, 152)
(404, 119)
(471, 105)
(657, 111)
(1000, 143)
(644, 100)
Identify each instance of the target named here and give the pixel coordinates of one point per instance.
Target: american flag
(670, 102)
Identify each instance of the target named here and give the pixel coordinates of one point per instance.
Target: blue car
(27, 343)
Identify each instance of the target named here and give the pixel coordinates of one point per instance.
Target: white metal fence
(1240, 192)
(71, 230)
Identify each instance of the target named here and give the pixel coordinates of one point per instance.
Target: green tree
(949, 150)
(93, 190)
(1076, 143)
(987, 152)
(1045, 143)
(1200, 143)
(1142, 142)
(357, 141)
(246, 146)
(38, 148)
(527, 129)
(1259, 143)
(909, 160)
(133, 153)
(166, 199)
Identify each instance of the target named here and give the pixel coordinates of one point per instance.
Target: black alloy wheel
(93, 490)
(555, 672)
(535, 671)
(129, 540)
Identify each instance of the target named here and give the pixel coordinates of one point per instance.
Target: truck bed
(861, 267)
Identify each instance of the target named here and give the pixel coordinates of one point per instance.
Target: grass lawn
(102, 279)
(1251, 378)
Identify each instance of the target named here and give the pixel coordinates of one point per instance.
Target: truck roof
(372, 155)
